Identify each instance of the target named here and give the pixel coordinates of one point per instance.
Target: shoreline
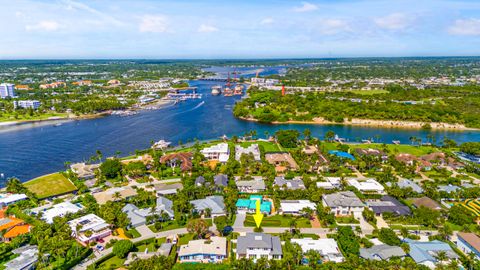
(373, 123)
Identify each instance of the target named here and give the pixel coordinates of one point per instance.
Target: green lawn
(151, 245)
(277, 221)
(347, 220)
(50, 185)
(268, 146)
(185, 238)
(134, 233)
(369, 92)
(400, 148)
(6, 117)
(112, 263)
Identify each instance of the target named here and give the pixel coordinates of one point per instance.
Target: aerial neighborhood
(323, 202)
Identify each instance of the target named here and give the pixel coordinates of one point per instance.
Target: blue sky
(238, 29)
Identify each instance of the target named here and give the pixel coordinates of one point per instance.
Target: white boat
(216, 90)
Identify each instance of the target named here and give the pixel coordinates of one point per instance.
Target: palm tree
(267, 134)
(116, 196)
(441, 256)
(293, 224)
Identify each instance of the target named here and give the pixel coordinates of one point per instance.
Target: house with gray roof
(220, 180)
(138, 216)
(256, 185)
(214, 203)
(291, 184)
(164, 205)
(199, 181)
(258, 245)
(425, 252)
(388, 204)
(406, 183)
(448, 188)
(382, 252)
(26, 259)
(343, 203)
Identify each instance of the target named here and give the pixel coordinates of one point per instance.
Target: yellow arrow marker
(258, 215)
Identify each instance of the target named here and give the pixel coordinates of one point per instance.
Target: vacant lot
(278, 221)
(50, 185)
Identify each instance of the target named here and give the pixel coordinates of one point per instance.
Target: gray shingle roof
(215, 203)
(221, 180)
(296, 183)
(342, 199)
(259, 240)
(404, 183)
(389, 204)
(381, 252)
(425, 251)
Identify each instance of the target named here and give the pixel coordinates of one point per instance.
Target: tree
(460, 215)
(136, 169)
(15, 186)
(122, 248)
(329, 136)
(388, 236)
(287, 138)
(307, 134)
(111, 168)
(198, 227)
(348, 241)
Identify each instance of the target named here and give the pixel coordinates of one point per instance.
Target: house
(410, 160)
(27, 257)
(406, 183)
(295, 207)
(469, 243)
(167, 189)
(309, 150)
(327, 248)
(214, 203)
(426, 202)
(331, 183)
(199, 181)
(220, 152)
(425, 252)
(163, 250)
(259, 245)
(382, 252)
(367, 186)
(372, 152)
(89, 228)
(282, 161)
(182, 160)
(138, 216)
(213, 250)
(252, 149)
(60, 210)
(448, 188)
(256, 185)
(84, 171)
(112, 193)
(9, 198)
(250, 205)
(291, 184)
(220, 180)
(12, 226)
(388, 204)
(343, 203)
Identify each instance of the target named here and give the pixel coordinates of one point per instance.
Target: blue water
(40, 148)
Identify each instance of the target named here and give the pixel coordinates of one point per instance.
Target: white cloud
(154, 24)
(305, 7)
(205, 28)
(394, 21)
(333, 26)
(73, 5)
(465, 27)
(267, 21)
(46, 25)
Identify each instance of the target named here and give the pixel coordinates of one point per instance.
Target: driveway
(381, 223)
(238, 224)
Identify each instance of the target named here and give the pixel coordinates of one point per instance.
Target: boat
(57, 124)
(227, 92)
(395, 142)
(216, 90)
(238, 90)
(162, 144)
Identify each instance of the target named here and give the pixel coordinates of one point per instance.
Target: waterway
(36, 149)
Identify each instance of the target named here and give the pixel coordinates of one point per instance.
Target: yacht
(216, 90)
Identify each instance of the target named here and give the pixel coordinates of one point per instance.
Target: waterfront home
(84, 171)
(372, 152)
(388, 204)
(89, 228)
(250, 205)
(296, 207)
(214, 203)
(253, 149)
(182, 160)
(163, 250)
(255, 185)
(115, 193)
(9, 198)
(469, 243)
(213, 250)
(341, 154)
(425, 252)
(410, 160)
(259, 245)
(26, 258)
(58, 210)
(426, 202)
(282, 161)
(291, 184)
(343, 203)
(167, 189)
(220, 152)
(327, 248)
(382, 252)
(367, 186)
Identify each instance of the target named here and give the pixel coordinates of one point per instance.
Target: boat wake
(198, 106)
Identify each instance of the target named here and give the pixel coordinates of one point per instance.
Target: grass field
(25, 117)
(400, 148)
(50, 185)
(369, 92)
(277, 221)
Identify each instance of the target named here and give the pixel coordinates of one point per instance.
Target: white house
(60, 210)
(295, 207)
(252, 149)
(218, 152)
(213, 250)
(366, 186)
(89, 228)
(9, 198)
(27, 104)
(327, 248)
(259, 245)
(343, 203)
(330, 183)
